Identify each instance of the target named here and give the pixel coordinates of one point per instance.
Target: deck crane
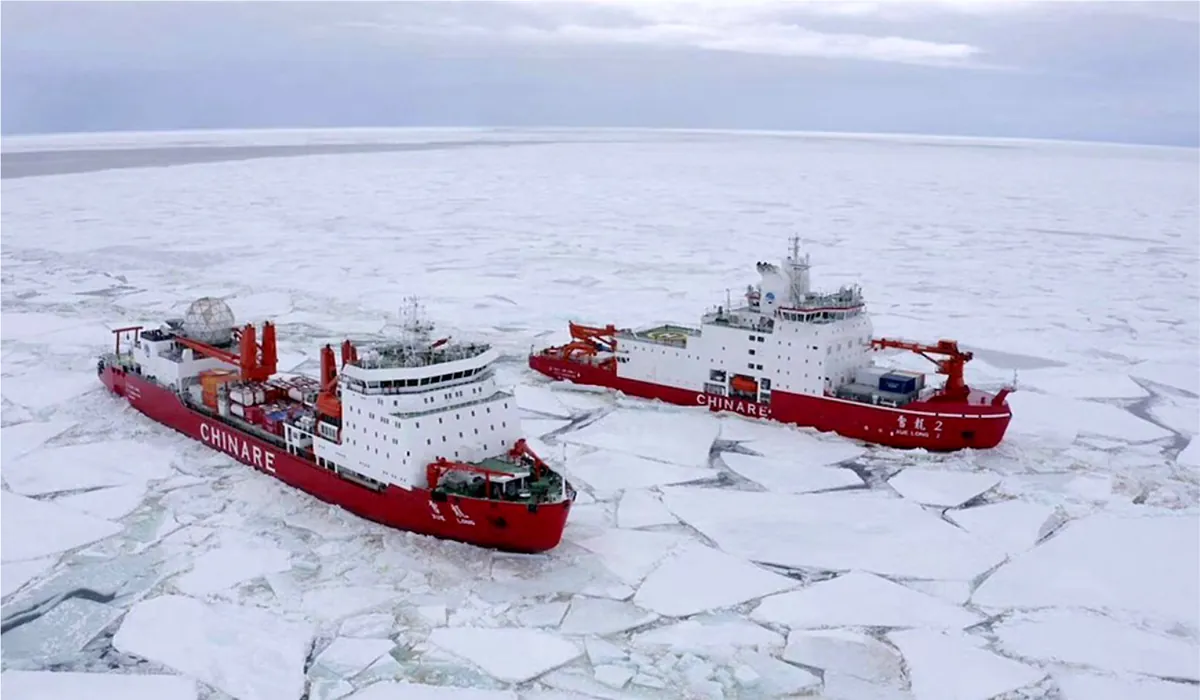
(952, 365)
(589, 341)
(252, 366)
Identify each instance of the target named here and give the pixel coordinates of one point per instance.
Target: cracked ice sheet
(603, 617)
(719, 636)
(641, 508)
(403, 690)
(858, 599)
(953, 666)
(609, 472)
(53, 685)
(541, 400)
(15, 574)
(1086, 686)
(45, 388)
(942, 488)
(30, 529)
(1012, 525)
(346, 657)
(697, 578)
(1088, 639)
(788, 444)
(246, 652)
(510, 654)
(632, 554)
(675, 436)
(111, 503)
(231, 563)
(864, 530)
(23, 438)
(1063, 419)
(1190, 455)
(90, 465)
(1123, 562)
(792, 476)
(847, 653)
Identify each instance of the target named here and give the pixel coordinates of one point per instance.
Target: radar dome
(209, 320)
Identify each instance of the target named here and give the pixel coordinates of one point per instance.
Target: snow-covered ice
(58, 685)
(249, 653)
(676, 436)
(98, 501)
(790, 476)
(944, 488)
(510, 654)
(860, 599)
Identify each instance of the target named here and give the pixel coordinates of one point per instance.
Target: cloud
(764, 28)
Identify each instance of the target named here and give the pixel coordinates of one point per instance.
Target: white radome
(209, 320)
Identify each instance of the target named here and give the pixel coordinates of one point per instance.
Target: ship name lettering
(726, 403)
(239, 448)
(463, 518)
(937, 426)
(919, 423)
(437, 514)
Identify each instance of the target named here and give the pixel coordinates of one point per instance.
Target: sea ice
(541, 400)
(403, 690)
(610, 472)
(698, 578)
(712, 636)
(860, 599)
(543, 614)
(942, 488)
(42, 389)
(1012, 525)
(1063, 419)
(246, 652)
(613, 676)
(848, 653)
(1077, 685)
(511, 654)
(602, 617)
(1081, 383)
(346, 657)
(1147, 564)
(786, 444)
(777, 678)
(226, 566)
(537, 427)
(952, 666)
(642, 508)
(864, 530)
(370, 625)
(338, 602)
(15, 574)
(1190, 455)
(61, 685)
(675, 436)
(30, 529)
(632, 554)
(111, 503)
(790, 476)
(1088, 639)
(91, 465)
(61, 633)
(19, 440)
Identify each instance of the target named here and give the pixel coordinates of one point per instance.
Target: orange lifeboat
(744, 385)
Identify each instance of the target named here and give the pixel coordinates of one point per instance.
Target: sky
(1096, 71)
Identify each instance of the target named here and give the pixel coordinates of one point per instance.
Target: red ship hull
(931, 425)
(499, 525)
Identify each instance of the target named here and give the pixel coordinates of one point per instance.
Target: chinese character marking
(919, 424)
(901, 421)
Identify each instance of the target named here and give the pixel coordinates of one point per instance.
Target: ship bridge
(408, 368)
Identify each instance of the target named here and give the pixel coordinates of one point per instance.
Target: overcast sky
(1106, 71)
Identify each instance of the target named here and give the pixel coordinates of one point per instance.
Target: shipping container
(918, 376)
(237, 409)
(897, 384)
(254, 414)
(260, 395)
(869, 376)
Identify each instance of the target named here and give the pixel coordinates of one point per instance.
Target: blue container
(897, 384)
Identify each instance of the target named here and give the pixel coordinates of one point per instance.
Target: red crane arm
(952, 366)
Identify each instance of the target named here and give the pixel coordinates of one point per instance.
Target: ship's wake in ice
(706, 556)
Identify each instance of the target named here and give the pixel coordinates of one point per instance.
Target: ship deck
(666, 334)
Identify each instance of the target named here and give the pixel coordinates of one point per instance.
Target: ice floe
(641, 508)
(715, 636)
(836, 531)
(15, 574)
(85, 466)
(846, 653)
(1148, 564)
(675, 436)
(610, 472)
(31, 529)
(537, 427)
(860, 599)
(541, 400)
(64, 685)
(1064, 419)
(698, 578)
(790, 476)
(510, 654)
(942, 488)
(1085, 638)
(543, 614)
(951, 666)
(246, 652)
(1077, 685)
(111, 503)
(1081, 384)
(57, 636)
(43, 389)
(369, 625)
(403, 690)
(632, 554)
(19, 440)
(788, 444)
(602, 617)
(346, 657)
(1012, 525)
(1190, 455)
(226, 566)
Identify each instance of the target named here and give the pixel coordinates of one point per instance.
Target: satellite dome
(209, 320)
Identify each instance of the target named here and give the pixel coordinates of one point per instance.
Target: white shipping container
(295, 394)
(237, 410)
(869, 375)
(260, 394)
(236, 394)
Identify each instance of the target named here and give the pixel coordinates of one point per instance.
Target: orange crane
(588, 341)
(328, 403)
(952, 365)
(253, 367)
